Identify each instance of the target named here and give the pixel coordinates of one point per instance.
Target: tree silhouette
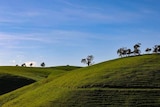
(127, 52)
(156, 49)
(148, 50)
(136, 46)
(124, 52)
(88, 60)
(120, 51)
(136, 49)
(42, 64)
(31, 64)
(23, 65)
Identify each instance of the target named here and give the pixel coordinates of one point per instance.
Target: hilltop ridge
(130, 81)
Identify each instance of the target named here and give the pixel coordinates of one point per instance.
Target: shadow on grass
(9, 83)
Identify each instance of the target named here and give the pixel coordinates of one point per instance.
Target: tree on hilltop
(88, 60)
(156, 49)
(42, 64)
(148, 50)
(136, 49)
(31, 64)
(23, 65)
(124, 52)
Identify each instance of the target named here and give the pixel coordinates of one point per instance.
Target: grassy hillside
(35, 73)
(12, 78)
(124, 82)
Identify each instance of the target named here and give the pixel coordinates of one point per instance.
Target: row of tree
(127, 52)
(156, 49)
(31, 64)
(124, 52)
(121, 51)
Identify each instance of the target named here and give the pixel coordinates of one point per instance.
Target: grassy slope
(133, 81)
(12, 78)
(34, 73)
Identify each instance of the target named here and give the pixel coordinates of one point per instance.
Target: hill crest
(124, 76)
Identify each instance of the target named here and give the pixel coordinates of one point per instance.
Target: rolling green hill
(123, 82)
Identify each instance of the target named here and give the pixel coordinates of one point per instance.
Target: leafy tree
(31, 64)
(136, 49)
(42, 64)
(136, 46)
(148, 50)
(84, 61)
(156, 49)
(124, 52)
(23, 65)
(88, 60)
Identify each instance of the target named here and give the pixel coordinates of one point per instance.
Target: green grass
(35, 73)
(123, 82)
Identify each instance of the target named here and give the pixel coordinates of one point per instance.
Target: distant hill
(123, 82)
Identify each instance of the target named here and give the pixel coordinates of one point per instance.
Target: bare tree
(88, 60)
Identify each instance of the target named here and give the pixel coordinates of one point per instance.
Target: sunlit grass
(124, 82)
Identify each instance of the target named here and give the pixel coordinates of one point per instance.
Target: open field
(123, 82)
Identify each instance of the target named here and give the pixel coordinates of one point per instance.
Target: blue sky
(62, 32)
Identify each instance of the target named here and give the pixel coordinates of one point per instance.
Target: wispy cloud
(108, 14)
(71, 13)
(78, 6)
(64, 37)
(17, 36)
(54, 37)
(17, 40)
